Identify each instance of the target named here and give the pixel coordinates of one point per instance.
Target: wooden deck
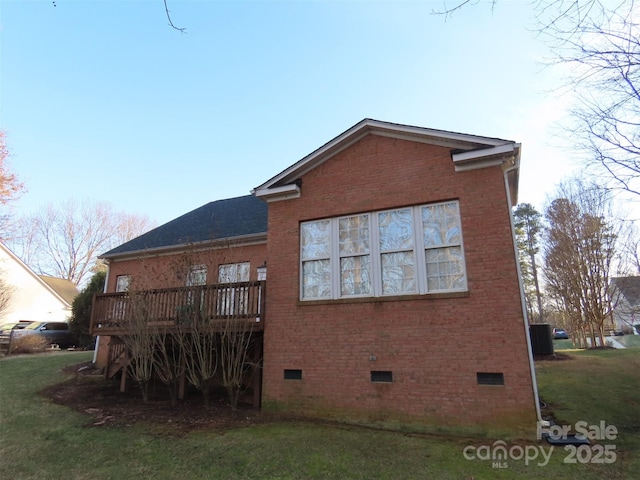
(172, 308)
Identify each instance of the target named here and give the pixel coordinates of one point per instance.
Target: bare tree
(141, 341)
(198, 339)
(237, 340)
(64, 240)
(168, 362)
(597, 44)
(580, 246)
(6, 292)
(10, 189)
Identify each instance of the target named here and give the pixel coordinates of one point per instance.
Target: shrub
(29, 344)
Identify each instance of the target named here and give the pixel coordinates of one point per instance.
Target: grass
(629, 341)
(40, 440)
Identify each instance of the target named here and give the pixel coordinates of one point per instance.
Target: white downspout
(523, 303)
(104, 290)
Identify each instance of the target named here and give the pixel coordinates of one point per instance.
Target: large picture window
(411, 250)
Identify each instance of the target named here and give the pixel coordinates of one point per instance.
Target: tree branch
(166, 9)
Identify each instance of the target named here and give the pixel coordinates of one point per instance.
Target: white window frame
(122, 283)
(197, 276)
(234, 300)
(375, 254)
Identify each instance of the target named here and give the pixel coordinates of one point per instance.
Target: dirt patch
(551, 358)
(89, 392)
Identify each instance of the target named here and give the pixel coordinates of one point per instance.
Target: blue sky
(104, 101)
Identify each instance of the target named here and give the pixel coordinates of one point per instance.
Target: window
(355, 258)
(234, 272)
(412, 250)
(197, 276)
(122, 283)
(233, 300)
(316, 254)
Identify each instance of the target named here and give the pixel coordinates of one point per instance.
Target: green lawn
(40, 440)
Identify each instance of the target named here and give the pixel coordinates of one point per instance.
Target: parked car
(56, 333)
(560, 333)
(7, 327)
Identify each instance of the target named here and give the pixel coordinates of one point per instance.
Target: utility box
(541, 339)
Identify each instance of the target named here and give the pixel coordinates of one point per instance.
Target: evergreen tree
(81, 308)
(528, 227)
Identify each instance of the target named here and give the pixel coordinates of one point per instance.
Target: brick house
(393, 292)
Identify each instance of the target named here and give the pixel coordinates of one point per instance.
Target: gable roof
(468, 152)
(64, 290)
(238, 219)
(629, 288)
(63, 287)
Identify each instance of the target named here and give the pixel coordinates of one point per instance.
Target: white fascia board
(428, 135)
(483, 158)
(276, 194)
(239, 241)
(386, 129)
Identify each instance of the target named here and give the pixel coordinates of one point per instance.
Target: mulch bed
(89, 392)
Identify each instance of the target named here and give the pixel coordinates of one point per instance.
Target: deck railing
(114, 313)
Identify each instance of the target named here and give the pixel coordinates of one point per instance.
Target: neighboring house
(393, 292)
(33, 297)
(625, 297)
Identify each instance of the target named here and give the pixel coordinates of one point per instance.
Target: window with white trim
(234, 272)
(405, 251)
(122, 283)
(197, 276)
(233, 300)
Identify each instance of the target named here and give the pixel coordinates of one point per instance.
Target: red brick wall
(433, 345)
(170, 270)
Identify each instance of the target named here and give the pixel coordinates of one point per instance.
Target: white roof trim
(453, 140)
(34, 275)
(275, 194)
(486, 157)
(238, 241)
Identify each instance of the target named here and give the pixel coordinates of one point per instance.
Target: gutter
(523, 304)
(104, 290)
(239, 240)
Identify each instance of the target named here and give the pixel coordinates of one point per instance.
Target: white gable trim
(34, 275)
(486, 157)
(281, 187)
(275, 194)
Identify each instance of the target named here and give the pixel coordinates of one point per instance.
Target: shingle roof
(629, 287)
(65, 288)
(222, 219)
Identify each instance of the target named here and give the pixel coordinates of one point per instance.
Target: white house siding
(31, 298)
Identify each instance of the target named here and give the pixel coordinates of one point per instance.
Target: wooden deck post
(182, 380)
(123, 379)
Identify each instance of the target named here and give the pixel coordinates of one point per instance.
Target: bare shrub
(29, 344)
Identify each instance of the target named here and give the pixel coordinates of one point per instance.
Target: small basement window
(292, 374)
(381, 376)
(490, 378)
